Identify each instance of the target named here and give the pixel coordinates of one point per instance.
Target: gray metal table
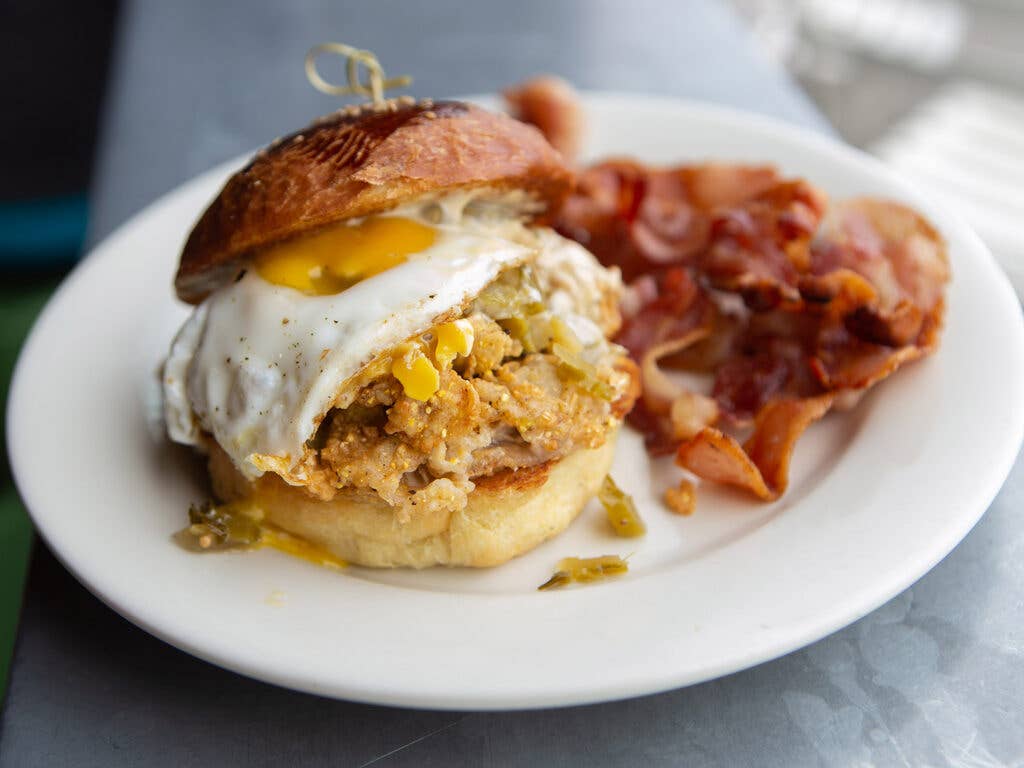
(933, 677)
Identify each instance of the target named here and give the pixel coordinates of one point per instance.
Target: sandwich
(391, 356)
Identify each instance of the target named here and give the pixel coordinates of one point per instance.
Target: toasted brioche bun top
(359, 162)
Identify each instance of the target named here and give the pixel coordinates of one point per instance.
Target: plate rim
(984, 494)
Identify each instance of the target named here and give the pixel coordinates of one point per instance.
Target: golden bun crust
(507, 514)
(355, 163)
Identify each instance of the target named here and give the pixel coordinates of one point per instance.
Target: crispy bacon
(898, 253)
(759, 247)
(761, 465)
(715, 456)
(552, 105)
(743, 385)
(792, 306)
(742, 228)
(677, 307)
(676, 315)
(655, 428)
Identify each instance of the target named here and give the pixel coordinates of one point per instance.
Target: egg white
(258, 365)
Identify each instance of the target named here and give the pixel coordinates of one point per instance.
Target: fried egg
(261, 361)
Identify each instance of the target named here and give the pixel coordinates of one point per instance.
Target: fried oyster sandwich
(391, 357)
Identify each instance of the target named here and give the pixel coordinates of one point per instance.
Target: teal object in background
(44, 232)
(20, 304)
(37, 238)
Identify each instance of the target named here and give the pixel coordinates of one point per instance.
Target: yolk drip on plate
(337, 257)
(285, 542)
(240, 525)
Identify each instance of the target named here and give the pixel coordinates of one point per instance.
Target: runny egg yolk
(333, 259)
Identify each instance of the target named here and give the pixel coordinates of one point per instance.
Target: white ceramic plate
(877, 497)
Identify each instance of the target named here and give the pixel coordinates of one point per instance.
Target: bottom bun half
(507, 514)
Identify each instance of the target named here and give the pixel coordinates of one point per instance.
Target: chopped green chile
(575, 368)
(539, 331)
(220, 527)
(585, 570)
(621, 510)
(514, 294)
(560, 579)
(563, 336)
(519, 329)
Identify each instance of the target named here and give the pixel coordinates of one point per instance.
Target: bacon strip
(717, 457)
(897, 253)
(552, 105)
(761, 465)
(789, 303)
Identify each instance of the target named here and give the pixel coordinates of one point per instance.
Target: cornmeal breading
(497, 409)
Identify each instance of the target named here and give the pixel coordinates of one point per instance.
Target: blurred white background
(933, 87)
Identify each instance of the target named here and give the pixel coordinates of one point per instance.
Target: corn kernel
(418, 377)
(453, 339)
